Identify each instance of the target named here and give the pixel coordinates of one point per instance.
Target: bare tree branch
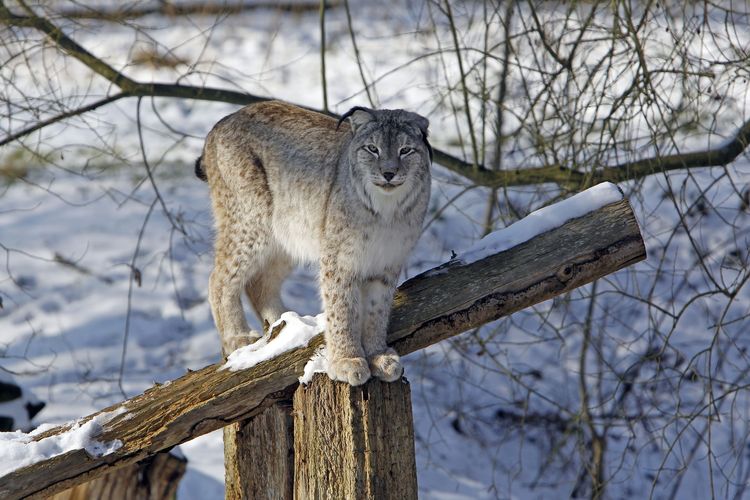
(185, 9)
(65, 43)
(62, 116)
(558, 174)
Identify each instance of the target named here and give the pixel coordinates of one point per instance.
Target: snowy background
(103, 294)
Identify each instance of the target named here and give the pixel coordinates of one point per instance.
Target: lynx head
(389, 152)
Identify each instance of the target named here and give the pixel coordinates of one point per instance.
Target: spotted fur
(290, 186)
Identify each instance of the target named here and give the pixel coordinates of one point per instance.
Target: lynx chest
(383, 247)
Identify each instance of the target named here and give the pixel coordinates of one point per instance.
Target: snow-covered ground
(103, 295)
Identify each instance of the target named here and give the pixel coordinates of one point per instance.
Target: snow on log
(551, 259)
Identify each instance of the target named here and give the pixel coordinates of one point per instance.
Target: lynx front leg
(377, 295)
(341, 298)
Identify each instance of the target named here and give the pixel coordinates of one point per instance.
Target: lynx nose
(388, 176)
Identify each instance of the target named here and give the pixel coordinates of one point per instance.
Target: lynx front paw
(386, 366)
(353, 371)
(232, 342)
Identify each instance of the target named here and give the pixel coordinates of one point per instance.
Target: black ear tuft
(350, 114)
(422, 124)
(427, 143)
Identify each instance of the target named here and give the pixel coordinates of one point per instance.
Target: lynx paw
(353, 371)
(232, 342)
(386, 366)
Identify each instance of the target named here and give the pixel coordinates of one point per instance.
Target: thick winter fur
(290, 186)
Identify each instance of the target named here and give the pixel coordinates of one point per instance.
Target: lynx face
(389, 153)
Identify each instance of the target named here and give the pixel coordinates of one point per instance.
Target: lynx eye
(405, 151)
(372, 148)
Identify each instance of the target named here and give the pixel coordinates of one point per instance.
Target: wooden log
(155, 478)
(428, 308)
(259, 455)
(354, 442)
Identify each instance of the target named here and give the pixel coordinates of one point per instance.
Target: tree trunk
(155, 478)
(259, 456)
(354, 442)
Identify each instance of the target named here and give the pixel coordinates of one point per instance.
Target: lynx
(291, 186)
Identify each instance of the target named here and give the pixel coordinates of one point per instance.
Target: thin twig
(595, 467)
(464, 87)
(323, 54)
(151, 179)
(356, 54)
(64, 261)
(135, 275)
(62, 116)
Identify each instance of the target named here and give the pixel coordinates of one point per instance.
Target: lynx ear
(357, 116)
(422, 124)
(420, 121)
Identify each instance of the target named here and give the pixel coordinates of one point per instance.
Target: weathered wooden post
(259, 455)
(336, 441)
(354, 442)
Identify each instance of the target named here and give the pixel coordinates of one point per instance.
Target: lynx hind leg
(229, 344)
(242, 235)
(264, 288)
(234, 262)
(225, 296)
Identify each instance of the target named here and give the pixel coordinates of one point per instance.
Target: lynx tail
(199, 172)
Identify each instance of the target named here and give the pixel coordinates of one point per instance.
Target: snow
(63, 331)
(204, 479)
(19, 449)
(297, 332)
(318, 363)
(541, 221)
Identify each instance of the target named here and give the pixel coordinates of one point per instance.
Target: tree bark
(354, 442)
(435, 305)
(155, 478)
(259, 456)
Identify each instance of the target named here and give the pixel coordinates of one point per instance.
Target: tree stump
(354, 442)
